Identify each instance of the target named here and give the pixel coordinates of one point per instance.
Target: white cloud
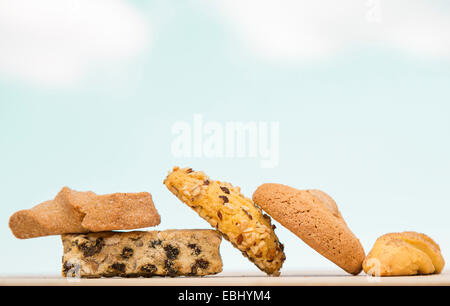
(421, 27)
(298, 30)
(57, 42)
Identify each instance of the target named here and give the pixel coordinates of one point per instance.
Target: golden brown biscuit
(407, 253)
(80, 212)
(314, 217)
(232, 214)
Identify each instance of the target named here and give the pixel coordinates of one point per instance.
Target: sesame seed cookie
(232, 214)
(407, 253)
(314, 217)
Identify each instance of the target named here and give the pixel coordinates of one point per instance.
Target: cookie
(407, 253)
(314, 217)
(232, 214)
(142, 253)
(80, 212)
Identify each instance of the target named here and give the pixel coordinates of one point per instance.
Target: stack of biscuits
(93, 247)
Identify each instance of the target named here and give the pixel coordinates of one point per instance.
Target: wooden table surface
(235, 279)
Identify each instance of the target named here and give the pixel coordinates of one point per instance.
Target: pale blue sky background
(88, 98)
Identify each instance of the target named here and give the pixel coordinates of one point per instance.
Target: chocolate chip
(168, 265)
(247, 213)
(118, 267)
(282, 246)
(66, 267)
(239, 239)
(224, 198)
(206, 182)
(225, 189)
(195, 249)
(219, 214)
(189, 170)
(148, 268)
(89, 249)
(127, 252)
(266, 217)
(199, 263)
(155, 243)
(171, 251)
(273, 226)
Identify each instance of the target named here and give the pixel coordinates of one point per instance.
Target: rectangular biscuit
(141, 253)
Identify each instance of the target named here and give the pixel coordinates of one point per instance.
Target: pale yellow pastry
(407, 253)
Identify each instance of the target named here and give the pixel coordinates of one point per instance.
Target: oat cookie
(407, 253)
(80, 212)
(142, 253)
(232, 214)
(315, 218)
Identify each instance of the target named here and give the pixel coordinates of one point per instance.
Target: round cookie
(232, 214)
(315, 218)
(407, 253)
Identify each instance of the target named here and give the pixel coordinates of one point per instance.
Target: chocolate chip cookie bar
(232, 214)
(141, 253)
